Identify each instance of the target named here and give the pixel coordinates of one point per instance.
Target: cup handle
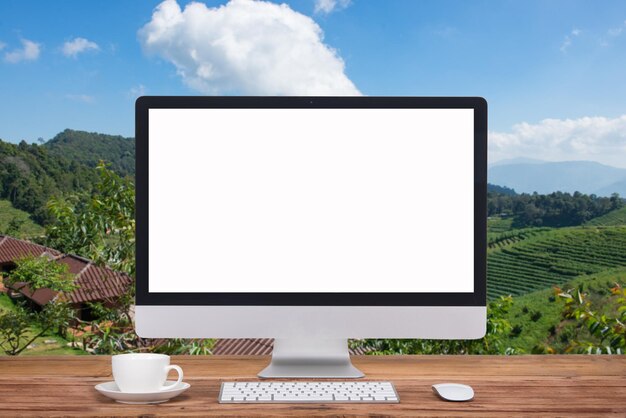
(180, 376)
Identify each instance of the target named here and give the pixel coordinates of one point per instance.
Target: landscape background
(552, 73)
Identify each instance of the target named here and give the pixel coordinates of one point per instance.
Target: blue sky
(553, 72)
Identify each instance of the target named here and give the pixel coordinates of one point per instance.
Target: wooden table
(505, 386)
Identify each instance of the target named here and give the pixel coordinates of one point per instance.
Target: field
(496, 224)
(616, 217)
(8, 213)
(554, 257)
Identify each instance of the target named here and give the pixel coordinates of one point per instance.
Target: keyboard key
(308, 392)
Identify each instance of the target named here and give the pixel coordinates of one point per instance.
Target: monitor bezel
(476, 298)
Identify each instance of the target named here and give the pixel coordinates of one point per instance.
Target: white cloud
(28, 52)
(137, 91)
(246, 47)
(614, 32)
(77, 46)
(329, 6)
(82, 98)
(588, 138)
(567, 41)
(2, 45)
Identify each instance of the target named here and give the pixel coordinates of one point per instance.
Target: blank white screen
(311, 200)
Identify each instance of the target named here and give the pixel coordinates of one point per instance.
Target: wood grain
(538, 386)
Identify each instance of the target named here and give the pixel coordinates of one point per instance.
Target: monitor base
(311, 357)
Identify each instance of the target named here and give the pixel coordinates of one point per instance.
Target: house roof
(243, 347)
(94, 282)
(254, 347)
(12, 249)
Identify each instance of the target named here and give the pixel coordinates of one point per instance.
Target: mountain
(617, 187)
(518, 160)
(89, 148)
(568, 176)
(30, 175)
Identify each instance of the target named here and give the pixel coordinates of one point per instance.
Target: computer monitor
(311, 220)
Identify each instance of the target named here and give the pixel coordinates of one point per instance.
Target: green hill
(536, 317)
(616, 217)
(89, 148)
(29, 175)
(16, 222)
(553, 257)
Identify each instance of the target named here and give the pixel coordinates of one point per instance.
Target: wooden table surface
(505, 386)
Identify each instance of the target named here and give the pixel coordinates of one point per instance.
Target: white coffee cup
(143, 372)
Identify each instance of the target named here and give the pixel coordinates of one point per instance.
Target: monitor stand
(311, 357)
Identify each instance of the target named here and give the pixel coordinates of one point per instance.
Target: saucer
(110, 390)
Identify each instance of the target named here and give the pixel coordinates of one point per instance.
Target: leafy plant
(19, 328)
(98, 226)
(42, 273)
(607, 329)
(175, 346)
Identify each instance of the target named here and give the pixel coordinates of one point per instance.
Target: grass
(28, 228)
(615, 217)
(537, 315)
(554, 257)
(59, 347)
(503, 239)
(496, 224)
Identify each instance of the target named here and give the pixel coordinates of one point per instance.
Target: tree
(101, 226)
(98, 226)
(14, 227)
(20, 327)
(42, 273)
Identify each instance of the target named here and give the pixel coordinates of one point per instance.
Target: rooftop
(94, 282)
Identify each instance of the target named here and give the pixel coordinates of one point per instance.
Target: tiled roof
(94, 282)
(243, 347)
(12, 249)
(254, 347)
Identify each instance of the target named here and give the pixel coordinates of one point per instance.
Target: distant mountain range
(528, 176)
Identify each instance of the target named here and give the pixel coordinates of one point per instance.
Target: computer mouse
(454, 392)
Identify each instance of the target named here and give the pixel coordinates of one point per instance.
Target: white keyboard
(297, 391)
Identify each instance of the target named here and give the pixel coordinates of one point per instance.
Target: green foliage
(178, 346)
(30, 175)
(556, 209)
(615, 217)
(17, 223)
(99, 226)
(108, 337)
(494, 342)
(552, 333)
(89, 148)
(20, 327)
(42, 273)
(495, 189)
(606, 325)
